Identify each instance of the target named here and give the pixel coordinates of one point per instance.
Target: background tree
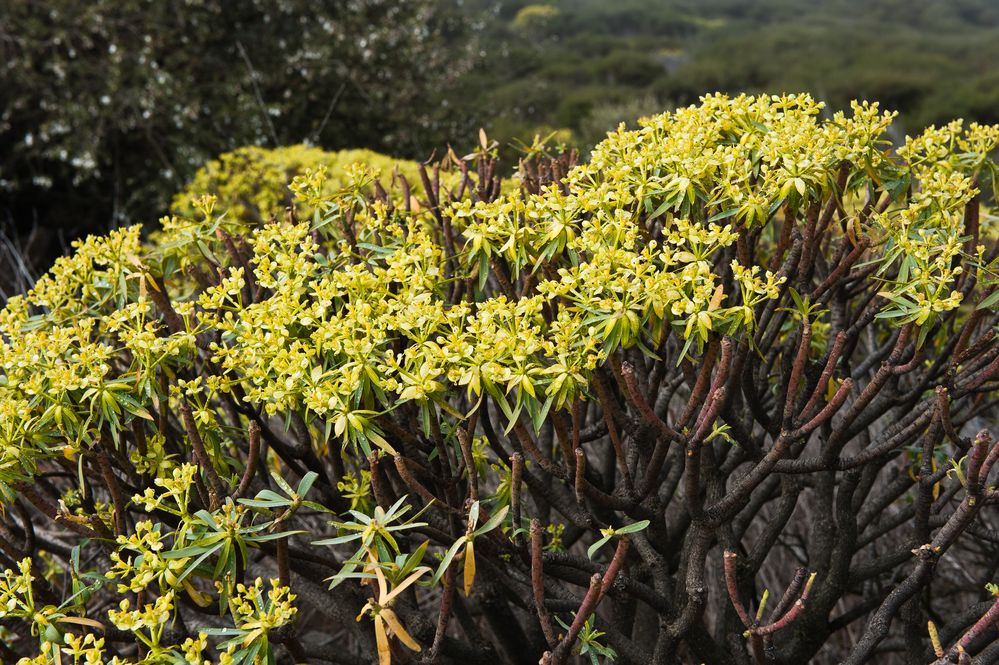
(109, 107)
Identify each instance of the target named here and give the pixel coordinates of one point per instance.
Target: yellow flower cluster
(254, 610)
(87, 649)
(176, 491)
(150, 616)
(146, 565)
(15, 589)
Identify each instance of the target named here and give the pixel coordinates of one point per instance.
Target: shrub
(535, 20)
(251, 183)
(602, 417)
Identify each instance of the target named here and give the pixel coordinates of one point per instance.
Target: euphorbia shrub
(251, 183)
(746, 352)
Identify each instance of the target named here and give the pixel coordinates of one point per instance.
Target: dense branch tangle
(631, 396)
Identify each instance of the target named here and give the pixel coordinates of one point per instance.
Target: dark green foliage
(108, 107)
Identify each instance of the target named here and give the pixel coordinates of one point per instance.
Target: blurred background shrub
(109, 107)
(251, 183)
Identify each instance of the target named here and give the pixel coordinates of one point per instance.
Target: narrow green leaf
(446, 561)
(494, 521)
(306, 484)
(632, 528)
(595, 546)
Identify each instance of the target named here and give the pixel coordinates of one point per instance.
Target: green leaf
(133, 406)
(663, 207)
(306, 484)
(270, 495)
(446, 561)
(225, 560)
(798, 302)
(686, 347)
(413, 560)
(722, 215)
(274, 536)
(538, 418)
(185, 552)
(283, 484)
(595, 546)
(251, 653)
(493, 522)
(344, 574)
(483, 272)
(473, 515)
(339, 540)
(990, 301)
(891, 314)
(923, 332)
(191, 567)
(270, 503)
(207, 519)
(316, 506)
(222, 632)
(633, 528)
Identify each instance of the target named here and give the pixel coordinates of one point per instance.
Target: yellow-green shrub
(251, 183)
(736, 295)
